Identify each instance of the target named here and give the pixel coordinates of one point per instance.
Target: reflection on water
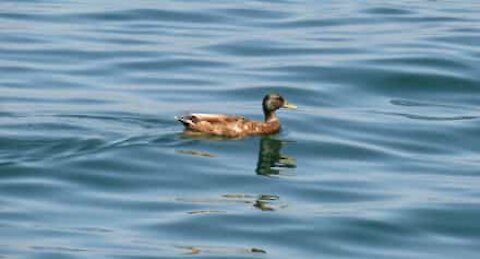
(195, 250)
(195, 153)
(263, 202)
(270, 162)
(270, 159)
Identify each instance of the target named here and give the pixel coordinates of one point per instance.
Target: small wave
(411, 103)
(389, 11)
(431, 118)
(177, 16)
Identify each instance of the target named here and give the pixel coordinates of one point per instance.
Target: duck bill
(288, 105)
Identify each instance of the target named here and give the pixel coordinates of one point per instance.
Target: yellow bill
(288, 105)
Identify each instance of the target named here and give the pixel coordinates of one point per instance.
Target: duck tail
(186, 120)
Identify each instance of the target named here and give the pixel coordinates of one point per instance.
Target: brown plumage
(237, 126)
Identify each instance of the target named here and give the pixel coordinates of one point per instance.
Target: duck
(238, 126)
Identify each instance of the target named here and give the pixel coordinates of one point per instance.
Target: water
(380, 161)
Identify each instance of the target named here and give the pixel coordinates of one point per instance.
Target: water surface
(380, 161)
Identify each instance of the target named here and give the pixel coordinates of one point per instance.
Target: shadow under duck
(238, 126)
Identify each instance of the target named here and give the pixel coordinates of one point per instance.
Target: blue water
(380, 161)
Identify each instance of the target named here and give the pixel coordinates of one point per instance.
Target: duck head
(273, 102)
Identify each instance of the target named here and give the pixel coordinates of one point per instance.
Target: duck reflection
(264, 202)
(270, 159)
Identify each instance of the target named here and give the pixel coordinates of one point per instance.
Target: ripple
(411, 103)
(152, 15)
(388, 11)
(255, 13)
(432, 118)
(273, 49)
(171, 64)
(424, 62)
(466, 40)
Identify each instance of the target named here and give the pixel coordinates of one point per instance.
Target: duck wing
(196, 118)
(216, 118)
(216, 124)
(193, 119)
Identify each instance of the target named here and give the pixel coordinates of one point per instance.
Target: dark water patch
(430, 20)
(127, 41)
(171, 65)
(56, 55)
(23, 39)
(387, 82)
(465, 30)
(347, 194)
(152, 15)
(465, 40)
(388, 11)
(86, 101)
(273, 49)
(124, 16)
(389, 234)
(439, 216)
(251, 13)
(438, 63)
(16, 69)
(150, 83)
(305, 23)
